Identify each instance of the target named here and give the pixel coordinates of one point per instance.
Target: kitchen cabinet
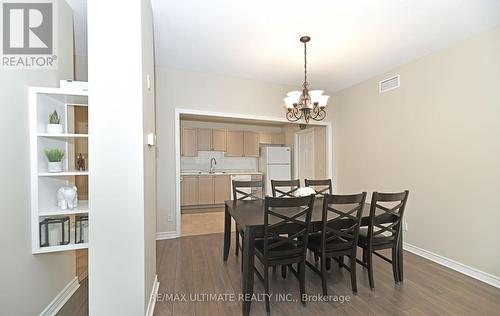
(278, 138)
(219, 139)
(234, 145)
(222, 189)
(206, 190)
(265, 138)
(272, 138)
(204, 139)
(189, 190)
(189, 140)
(250, 144)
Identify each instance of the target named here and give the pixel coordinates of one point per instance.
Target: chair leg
(302, 281)
(341, 261)
(323, 276)
(353, 274)
(365, 257)
(395, 266)
(370, 268)
(237, 242)
(283, 271)
(328, 263)
(266, 285)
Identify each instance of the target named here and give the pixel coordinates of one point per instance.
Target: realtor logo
(28, 35)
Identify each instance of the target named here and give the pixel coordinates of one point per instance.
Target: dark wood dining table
(250, 217)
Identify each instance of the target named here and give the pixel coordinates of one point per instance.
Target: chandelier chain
(305, 63)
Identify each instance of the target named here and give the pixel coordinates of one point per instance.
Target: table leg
(248, 267)
(227, 233)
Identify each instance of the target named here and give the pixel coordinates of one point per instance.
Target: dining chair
(286, 230)
(245, 190)
(383, 231)
(340, 222)
(321, 187)
(284, 188)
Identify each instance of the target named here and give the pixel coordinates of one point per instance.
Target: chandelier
(306, 104)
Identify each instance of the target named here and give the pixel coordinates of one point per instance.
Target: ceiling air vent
(388, 84)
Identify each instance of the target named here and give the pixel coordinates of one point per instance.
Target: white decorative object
(67, 197)
(54, 128)
(305, 191)
(55, 166)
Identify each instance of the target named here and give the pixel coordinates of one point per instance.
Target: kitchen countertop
(223, 172)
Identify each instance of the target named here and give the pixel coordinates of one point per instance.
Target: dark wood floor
(78, 304)
(191, 265)
(194, 264)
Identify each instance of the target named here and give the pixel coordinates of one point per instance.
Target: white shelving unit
(44, 185)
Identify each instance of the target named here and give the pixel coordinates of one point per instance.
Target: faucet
(213, 163)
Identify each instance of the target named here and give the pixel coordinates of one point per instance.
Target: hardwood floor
(203, 223)
(191, 265)
(78, 304)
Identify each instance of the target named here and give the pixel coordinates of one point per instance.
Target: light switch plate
(151, 139)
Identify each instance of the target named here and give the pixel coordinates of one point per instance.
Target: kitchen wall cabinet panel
(189, 140)
(250, 144)
(234, 144)
(204, 139)
(219, 139)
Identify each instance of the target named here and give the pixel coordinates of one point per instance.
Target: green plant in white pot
(54, 126)
(55, 157)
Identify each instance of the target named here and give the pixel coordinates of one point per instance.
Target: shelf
(63, 135)
(63, 174)
(61, 248)
(83, 208)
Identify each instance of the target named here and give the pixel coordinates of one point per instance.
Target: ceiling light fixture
(308, 104)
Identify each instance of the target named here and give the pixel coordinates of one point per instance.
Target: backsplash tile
(202, 162)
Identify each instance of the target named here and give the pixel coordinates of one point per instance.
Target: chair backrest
(340, 232)
(286, 226)
(284, 188)
(253, 189)
(386, 214)
(321, 187)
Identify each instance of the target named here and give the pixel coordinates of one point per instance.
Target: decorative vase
(55, 166)
(54, 128)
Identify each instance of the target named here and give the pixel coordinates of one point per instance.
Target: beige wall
(207, 92)
(438, 136)
(28, 283)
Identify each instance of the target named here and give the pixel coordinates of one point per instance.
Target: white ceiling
(351, 40)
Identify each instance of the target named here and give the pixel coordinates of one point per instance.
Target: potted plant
(54, 156)
(54, 126)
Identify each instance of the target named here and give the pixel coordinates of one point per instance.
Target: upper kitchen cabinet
(272, 138)
(204, 139)
(189, 141)
(278, 138)
(250, 144)
(234, 145)
(219, 139)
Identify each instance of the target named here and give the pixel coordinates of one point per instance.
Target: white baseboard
(152, 298)
(166, 235)
(61, 298)
(454, 265)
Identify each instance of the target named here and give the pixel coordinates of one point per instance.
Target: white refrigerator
(275, 164)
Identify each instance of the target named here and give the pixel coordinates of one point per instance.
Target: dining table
(249, 215)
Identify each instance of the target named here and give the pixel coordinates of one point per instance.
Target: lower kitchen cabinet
(222, 188)
(189, 190)
(205, 190)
